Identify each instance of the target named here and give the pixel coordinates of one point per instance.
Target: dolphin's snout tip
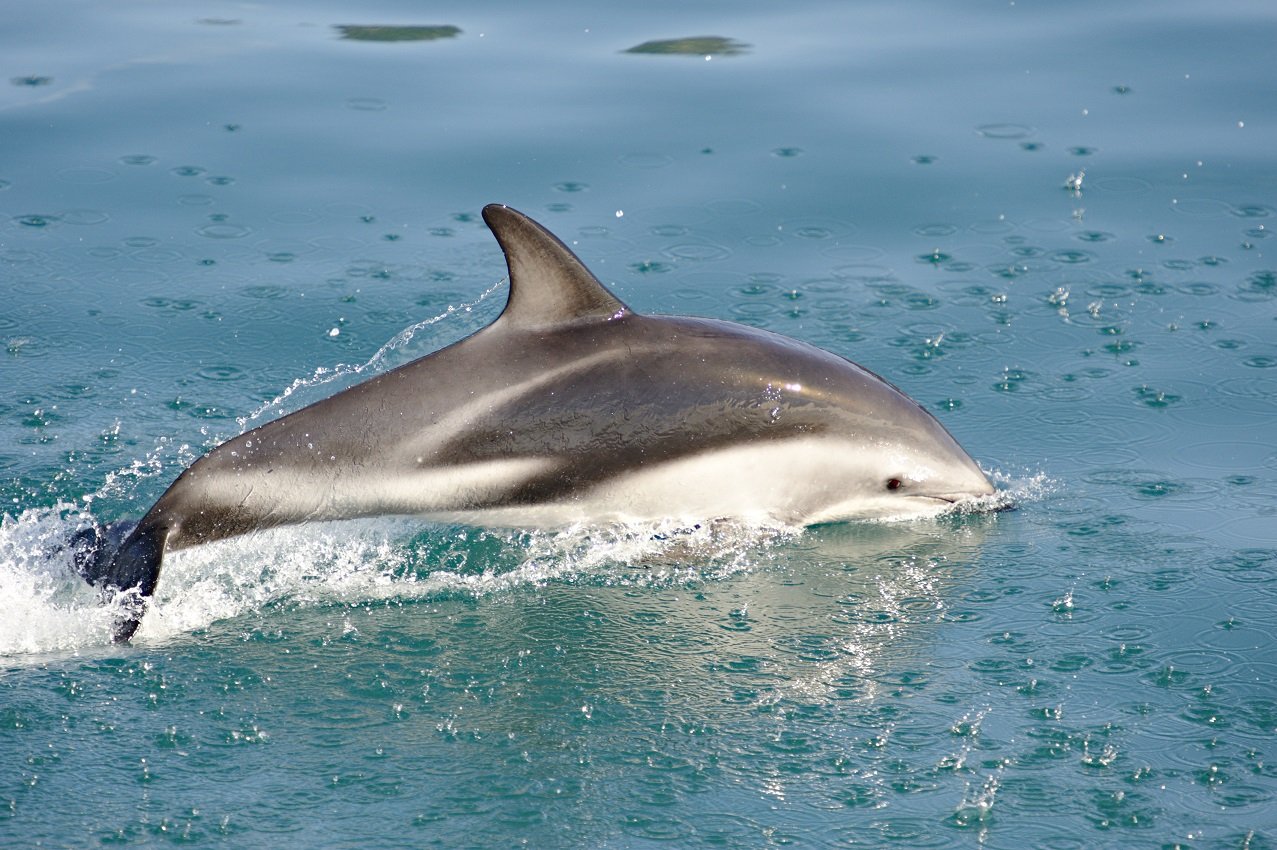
(984, 499)
(974, 490)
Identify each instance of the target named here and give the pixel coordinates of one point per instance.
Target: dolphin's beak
(974, 486)
(965, 496)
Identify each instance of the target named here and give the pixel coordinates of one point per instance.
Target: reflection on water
(355, 32)
(701, 45)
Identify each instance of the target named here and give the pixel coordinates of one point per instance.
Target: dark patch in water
(699, 45)
(358, 32)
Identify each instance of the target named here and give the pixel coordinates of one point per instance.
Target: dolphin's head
(904, 482)
(931, 475)
(912, 466)
(896, 460)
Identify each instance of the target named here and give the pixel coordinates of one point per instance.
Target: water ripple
(223, 230)
(1004, 131)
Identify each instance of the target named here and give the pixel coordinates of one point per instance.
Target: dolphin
(568, 408)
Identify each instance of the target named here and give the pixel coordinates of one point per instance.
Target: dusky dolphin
(570, 407)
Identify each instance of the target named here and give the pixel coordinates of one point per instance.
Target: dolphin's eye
(894, 483)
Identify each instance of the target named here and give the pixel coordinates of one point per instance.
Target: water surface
(1048, 223)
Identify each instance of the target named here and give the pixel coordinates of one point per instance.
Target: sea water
(1049, 223)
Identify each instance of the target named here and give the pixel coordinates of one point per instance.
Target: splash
(402, 560)
(1012, 491)
(45, 607)
(376, 363)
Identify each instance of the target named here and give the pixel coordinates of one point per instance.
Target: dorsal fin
(548, 285)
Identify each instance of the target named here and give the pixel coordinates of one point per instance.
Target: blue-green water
(1048, 222)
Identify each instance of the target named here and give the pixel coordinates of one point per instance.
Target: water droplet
(651, 267)
(1151, 397)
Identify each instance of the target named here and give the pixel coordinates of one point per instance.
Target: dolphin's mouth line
(995, 502)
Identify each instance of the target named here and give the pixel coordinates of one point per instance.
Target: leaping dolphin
(570, 407)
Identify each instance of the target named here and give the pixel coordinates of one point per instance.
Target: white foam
(1013, 490)
(349, 563)
(45, 607)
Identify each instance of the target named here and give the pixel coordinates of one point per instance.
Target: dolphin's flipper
(123, 556)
